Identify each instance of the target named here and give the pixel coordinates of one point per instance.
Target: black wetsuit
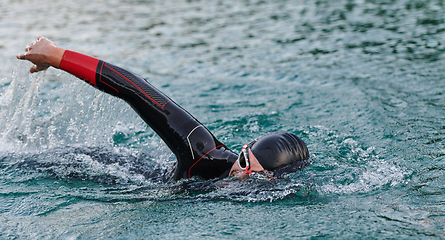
(198, 152)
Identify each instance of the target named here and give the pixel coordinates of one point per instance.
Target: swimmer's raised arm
(43, 53)
(198, 152)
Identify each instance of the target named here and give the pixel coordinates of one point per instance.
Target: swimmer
(198, 153)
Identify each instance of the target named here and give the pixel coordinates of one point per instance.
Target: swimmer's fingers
(36, 68)
(28, 49)
(39, 64)
(21, 56)
(28, 52)
(41, 53)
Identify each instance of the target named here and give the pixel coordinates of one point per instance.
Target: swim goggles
(243, 159)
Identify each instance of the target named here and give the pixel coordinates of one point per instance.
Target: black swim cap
(279, 149)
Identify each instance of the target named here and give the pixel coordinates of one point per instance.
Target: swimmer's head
(279, 149)
(279, 152)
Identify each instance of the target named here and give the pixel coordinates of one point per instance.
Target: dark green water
(361, 82)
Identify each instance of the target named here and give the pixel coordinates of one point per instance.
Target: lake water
(360, 81)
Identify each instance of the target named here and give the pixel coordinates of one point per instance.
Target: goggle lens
(243, 159)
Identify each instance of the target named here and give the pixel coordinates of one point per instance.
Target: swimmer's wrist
(55, 57)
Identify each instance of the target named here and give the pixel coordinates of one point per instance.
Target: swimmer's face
(255, 166)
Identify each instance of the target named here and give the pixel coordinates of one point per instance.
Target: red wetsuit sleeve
(80, 65)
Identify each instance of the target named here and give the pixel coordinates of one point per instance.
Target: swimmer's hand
(43, 53)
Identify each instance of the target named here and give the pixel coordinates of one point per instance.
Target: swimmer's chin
(242, 175)
(239, 174)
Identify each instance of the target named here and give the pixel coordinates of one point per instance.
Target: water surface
(360, 81)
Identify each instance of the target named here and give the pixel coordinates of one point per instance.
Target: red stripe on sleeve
(190, 169)
(80, 65)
